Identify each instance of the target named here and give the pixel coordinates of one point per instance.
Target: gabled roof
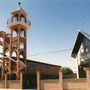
(80, 37)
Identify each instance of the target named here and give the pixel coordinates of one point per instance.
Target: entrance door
(29, 81)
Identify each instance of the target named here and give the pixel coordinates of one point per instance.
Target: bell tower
(18, 25)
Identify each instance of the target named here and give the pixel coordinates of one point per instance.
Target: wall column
(38, 80)
(61, 78)
(88, 77)
(21, 79)
(87, 73)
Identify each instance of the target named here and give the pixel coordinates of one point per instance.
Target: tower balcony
(11, 23)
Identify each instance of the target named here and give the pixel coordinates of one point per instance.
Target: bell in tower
(18, 25)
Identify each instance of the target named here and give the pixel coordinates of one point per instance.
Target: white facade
(84, 52)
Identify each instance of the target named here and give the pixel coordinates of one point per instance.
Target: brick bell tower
(18, 25)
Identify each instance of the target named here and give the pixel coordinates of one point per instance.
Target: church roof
(43, 63)
(35, 61)
(80, 37)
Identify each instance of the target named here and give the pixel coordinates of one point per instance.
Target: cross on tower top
(19, 3)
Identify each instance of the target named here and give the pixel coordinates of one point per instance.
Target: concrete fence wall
(2, 84)
(68, 84)
(11, 84)
(50, 85)
(75, 84)
(58, 84)
(14, 84)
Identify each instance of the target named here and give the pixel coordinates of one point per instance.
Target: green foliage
(67, 70)
(67, 73)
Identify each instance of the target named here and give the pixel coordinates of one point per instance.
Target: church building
(14, 54)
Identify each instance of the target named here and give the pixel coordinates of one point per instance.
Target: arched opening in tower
(7, 54)
(22, 19)
(1, 39)
(1, 50)
(21, 57)
(22, 33)
(14, 54)
(14, 19)
(21, 45)
(14, 33)
(13, 64)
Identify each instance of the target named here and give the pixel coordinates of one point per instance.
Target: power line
(52, 52)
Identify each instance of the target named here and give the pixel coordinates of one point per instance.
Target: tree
(67, 72)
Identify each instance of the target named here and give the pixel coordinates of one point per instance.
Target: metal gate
(29, 81)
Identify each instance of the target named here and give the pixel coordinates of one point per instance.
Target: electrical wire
(52, 52)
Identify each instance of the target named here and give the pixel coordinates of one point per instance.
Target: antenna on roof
(19, 3)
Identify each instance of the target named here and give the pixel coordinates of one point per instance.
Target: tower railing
(10, 21)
